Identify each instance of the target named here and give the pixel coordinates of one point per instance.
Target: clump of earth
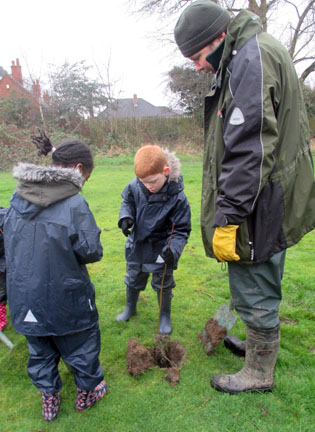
(165, 354)
(212, 335)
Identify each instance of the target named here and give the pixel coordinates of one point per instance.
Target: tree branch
(307, 72)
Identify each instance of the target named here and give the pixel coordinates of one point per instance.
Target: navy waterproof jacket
(2, 258)
(50, 234)
(153, 216)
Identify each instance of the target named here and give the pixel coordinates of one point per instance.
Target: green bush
(131, 133)
(18, 110)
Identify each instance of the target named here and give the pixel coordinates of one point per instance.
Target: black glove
(168, 256)
(125, 224)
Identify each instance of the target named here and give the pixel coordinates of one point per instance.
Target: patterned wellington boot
(87, 398)
(50, 405)
(3, 316)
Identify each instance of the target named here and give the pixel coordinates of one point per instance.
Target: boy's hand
(168, 256)
(125, 226)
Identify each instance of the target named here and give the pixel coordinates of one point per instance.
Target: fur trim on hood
(27, 172)
(174, 164)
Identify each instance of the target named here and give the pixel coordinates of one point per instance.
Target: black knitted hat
(199, 24)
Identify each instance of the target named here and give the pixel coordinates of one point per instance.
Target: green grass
(149, 403)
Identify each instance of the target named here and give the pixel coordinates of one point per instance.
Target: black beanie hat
(199, 24)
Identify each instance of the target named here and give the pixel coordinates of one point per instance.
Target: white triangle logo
(30, 317)
(159, 259)
(237, 117)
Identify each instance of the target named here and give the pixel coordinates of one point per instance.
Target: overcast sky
(41, 32)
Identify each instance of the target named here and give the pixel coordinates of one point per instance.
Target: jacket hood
(43, 186)
(47, 174)
(174, 164)
(245, 25)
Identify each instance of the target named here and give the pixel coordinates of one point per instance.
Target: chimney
(16, 71)
(36, 90)
(135, 100)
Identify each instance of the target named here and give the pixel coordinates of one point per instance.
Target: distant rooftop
(136, 107)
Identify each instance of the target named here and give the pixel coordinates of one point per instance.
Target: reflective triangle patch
(30, 317)
(159, 259)
(237, 117)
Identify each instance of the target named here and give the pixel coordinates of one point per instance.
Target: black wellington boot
(236, 345)
(165, 317)
(131, 306)
(257, 374)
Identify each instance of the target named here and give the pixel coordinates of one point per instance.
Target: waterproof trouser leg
(79, 350)
(256, 296)
(131, 306)
(165, 317)
(257, 374)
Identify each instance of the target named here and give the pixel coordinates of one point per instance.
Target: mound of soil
(212, 335)
(165, 354)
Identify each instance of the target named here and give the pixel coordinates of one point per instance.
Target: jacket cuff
(220, 220)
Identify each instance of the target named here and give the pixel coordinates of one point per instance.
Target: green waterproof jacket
(258, 171)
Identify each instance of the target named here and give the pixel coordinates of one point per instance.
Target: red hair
(149, 160)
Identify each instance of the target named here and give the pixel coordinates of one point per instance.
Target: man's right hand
(125, 226)
(224, 243)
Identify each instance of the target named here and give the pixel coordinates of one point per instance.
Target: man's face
(154, 182)
(199, 59)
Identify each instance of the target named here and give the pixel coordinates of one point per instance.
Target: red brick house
(14, 84)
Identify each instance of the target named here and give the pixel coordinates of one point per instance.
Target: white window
(8, 86)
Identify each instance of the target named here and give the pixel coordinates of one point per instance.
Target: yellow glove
(224, 243)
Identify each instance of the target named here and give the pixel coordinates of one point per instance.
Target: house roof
(135, 107)
(15, 85)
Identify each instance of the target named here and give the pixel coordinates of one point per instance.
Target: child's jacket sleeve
(85, 236)
(182, 227)
(3, 212)
(128, 206)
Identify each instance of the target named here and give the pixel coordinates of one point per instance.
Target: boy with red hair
(154, 206)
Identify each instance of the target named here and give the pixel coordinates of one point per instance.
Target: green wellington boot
(257, 374)
(131, 306)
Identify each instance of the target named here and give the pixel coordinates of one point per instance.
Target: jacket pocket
(265, 223)
(79, 296)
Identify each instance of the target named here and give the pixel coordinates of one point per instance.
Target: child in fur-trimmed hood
(50, 234)
(3, 291)
(154, 208)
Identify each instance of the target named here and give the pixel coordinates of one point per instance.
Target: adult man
(258, 193)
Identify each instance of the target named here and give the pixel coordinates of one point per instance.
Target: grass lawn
(149, 403)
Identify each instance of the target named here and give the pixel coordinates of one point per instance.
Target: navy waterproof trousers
(78, 350)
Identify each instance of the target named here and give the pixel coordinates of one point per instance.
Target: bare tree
(111, 90)
(296, 30)
(301, 42)
(161, 7)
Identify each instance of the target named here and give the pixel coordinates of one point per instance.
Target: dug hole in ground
(165, 354)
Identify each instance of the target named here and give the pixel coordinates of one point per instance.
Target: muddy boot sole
(222, 389)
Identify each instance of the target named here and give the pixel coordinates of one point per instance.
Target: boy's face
(154, 182)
